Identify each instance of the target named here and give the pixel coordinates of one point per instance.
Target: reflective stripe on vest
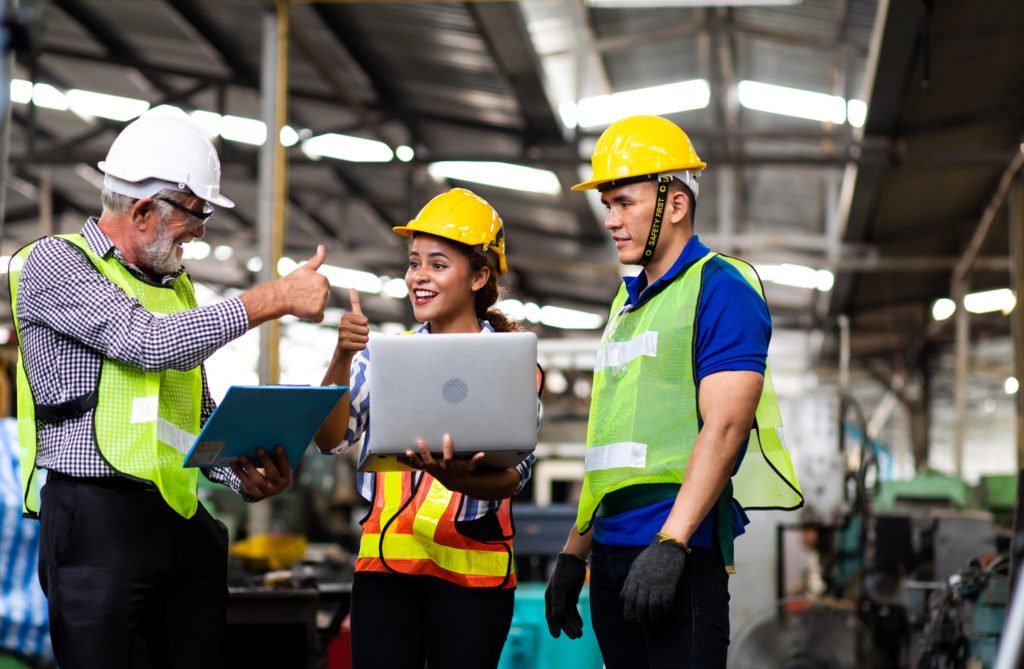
(411, 530)
(644, 412)
(144, 422)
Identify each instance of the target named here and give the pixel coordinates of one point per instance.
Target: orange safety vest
(411, 530)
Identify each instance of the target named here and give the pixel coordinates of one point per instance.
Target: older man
(112, 391)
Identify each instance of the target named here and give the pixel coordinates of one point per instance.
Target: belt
(116, 482)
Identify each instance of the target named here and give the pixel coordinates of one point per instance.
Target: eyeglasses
(205, 213)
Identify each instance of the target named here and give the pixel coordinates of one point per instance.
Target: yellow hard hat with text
(461, 216)
(641, 145)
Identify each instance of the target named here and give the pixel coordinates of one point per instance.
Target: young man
(111, 394)
(680, 381)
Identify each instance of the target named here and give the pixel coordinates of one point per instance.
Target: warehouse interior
(864, 155)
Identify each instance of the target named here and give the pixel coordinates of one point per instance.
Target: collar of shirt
(637, 289)
(485, 326)
(101, 245)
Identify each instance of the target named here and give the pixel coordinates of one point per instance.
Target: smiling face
(161, 251)
(442, 285)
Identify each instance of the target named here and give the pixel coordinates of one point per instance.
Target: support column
(8, 8)
(1015, 205)
(273, 184)
(272, 176)
(962, 336)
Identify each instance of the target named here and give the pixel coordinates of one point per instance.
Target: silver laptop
(480, 388)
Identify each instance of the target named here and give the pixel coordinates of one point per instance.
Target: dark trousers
(120, 568)
(400, 622)
(695, 636)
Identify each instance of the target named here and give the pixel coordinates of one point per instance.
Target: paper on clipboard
(252, 417)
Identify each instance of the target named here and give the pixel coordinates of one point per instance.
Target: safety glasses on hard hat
(202, 215)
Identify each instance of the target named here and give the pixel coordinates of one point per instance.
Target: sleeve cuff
(236, 319)
(227, 477)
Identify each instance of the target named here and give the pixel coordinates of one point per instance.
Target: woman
(434, 578)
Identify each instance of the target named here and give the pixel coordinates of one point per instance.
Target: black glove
(650, 587)
(562, 595)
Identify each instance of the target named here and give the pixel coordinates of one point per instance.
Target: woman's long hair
(487, 296)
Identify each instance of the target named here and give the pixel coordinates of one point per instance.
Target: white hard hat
(157, 152)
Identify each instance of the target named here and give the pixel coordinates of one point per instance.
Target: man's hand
(305, 290)
(302, 293)
(272, 476)
(449, 470)
(650, 587)
(562, 595)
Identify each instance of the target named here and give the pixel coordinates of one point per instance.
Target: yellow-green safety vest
(144, 422)
(643, 412)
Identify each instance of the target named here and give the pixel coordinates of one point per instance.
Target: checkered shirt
(71, 317)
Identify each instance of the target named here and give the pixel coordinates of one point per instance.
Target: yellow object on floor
(275, 551)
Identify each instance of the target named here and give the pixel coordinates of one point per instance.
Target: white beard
(161, 256)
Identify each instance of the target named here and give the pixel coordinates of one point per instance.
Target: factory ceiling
(884, 191)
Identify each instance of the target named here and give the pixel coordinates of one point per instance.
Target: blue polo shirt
(733, 331)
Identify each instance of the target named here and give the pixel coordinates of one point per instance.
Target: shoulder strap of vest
(747, 271)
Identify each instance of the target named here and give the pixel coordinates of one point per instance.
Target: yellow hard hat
(639, 146)
(461, 216)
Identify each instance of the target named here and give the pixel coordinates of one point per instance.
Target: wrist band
(668, 539)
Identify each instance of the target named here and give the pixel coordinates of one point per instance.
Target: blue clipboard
(252, 417)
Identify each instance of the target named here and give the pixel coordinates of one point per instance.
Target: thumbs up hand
(305, 290)
(354, 328)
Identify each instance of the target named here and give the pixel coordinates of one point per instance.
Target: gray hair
(116, 203)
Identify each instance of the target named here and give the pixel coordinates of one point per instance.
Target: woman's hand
(452, 472)
(354, 328)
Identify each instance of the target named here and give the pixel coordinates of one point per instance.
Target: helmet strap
(659, 215)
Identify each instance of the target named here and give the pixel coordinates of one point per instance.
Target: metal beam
(222, 42)
(504, 30)
(987, 218)
(102, 31)
(894, 43)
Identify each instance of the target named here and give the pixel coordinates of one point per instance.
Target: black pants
(119, 566)
(695, 636)
(400, 622)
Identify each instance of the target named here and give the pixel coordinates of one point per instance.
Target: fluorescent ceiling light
(501, 175)
(666, 99)
(196, 250)
(101, 105)
(856, 112)
(254, 264)
(798, 276)
(1001, 299)
(45, 95)
(984, 302)
(556, 317)
(223, 252)
(342, 277)
(346, 147)
(943, 308)
(570, 319)
(791, 102)
(689, 3)
(288, 136)
(243, 130)
(1011, 385)
(21, 91)
(405, 153)
(396, 288)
